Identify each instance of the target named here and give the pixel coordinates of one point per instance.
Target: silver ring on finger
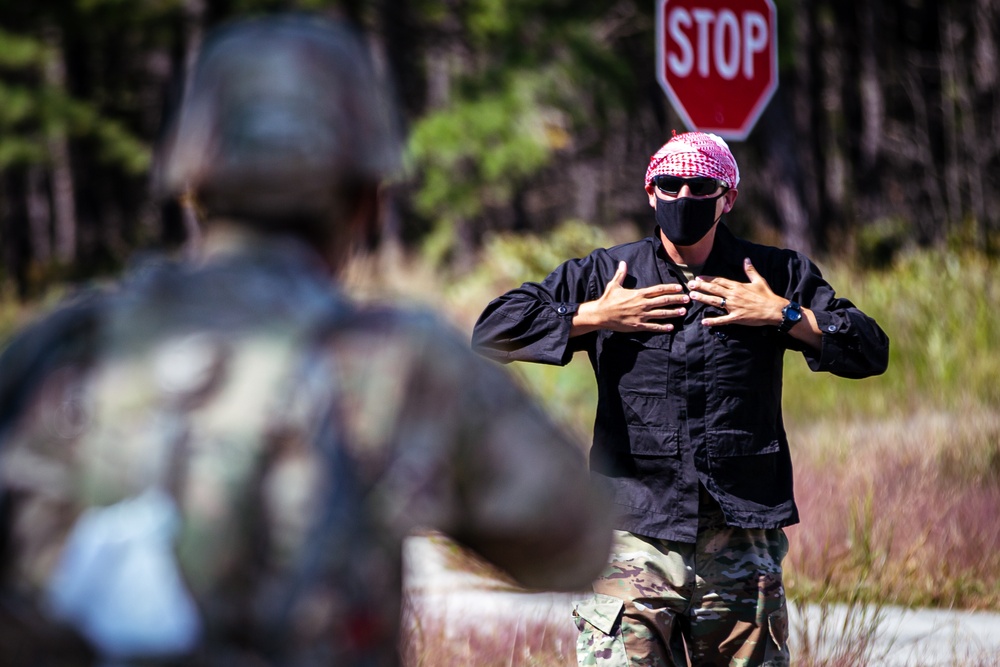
(722, 304)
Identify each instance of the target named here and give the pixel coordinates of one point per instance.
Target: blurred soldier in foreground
(216, 462)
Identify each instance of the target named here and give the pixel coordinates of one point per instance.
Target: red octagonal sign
(717, 60)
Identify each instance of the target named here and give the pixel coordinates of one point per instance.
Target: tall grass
(907, 506)
(941, 310)
(460, 610)
(898, 476)
(845, 635)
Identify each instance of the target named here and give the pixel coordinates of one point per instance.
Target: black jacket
(696, 405)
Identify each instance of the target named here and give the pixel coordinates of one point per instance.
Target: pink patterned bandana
(695, 154)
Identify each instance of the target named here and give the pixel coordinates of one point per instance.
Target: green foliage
(569, 394)
(32, 112)
(879, 242)
(489, 18)
(533, 256)
(17, 52)
(474, 153)
(544, 75)
(29, 117)
(508, 259)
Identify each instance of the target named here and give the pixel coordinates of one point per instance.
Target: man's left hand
(751, 304)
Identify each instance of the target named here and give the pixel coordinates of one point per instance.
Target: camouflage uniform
(724, 592)
(292, 438)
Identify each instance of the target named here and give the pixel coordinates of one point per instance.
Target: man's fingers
(661, 290)
(665, 313)
(656, 327)
(620, 274)
(618, 280)
(717, 321)
(669, 301)
(712, 297)
(706, 285)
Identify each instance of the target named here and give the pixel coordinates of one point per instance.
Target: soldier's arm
(527, 502)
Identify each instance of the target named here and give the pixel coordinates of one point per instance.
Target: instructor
(686, 330)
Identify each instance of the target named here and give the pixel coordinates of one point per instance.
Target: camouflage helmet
(279, 115)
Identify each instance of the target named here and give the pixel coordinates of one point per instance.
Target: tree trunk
(950, 35)
(870, 90)
(14, 230)
(836, 165)
(785, 173)
(39, 214)
(63, 191)
(986, 59)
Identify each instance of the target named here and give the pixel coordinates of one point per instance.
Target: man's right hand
(621, 309)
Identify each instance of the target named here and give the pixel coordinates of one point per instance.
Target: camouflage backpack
(220, 516)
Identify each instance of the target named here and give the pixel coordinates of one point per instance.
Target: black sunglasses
(700, 186)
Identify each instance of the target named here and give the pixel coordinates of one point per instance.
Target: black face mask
(685, 221)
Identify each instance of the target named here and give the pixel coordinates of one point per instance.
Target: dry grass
(906, 509)
(460, 610)
(838, 636)
(439, 639)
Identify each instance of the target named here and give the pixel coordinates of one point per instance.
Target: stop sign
(717, 60)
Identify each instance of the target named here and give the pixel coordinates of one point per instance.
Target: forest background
(530, 124)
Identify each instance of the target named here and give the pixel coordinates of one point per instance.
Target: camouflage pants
(718, 602)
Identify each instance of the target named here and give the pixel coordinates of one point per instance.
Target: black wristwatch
(790, 316)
